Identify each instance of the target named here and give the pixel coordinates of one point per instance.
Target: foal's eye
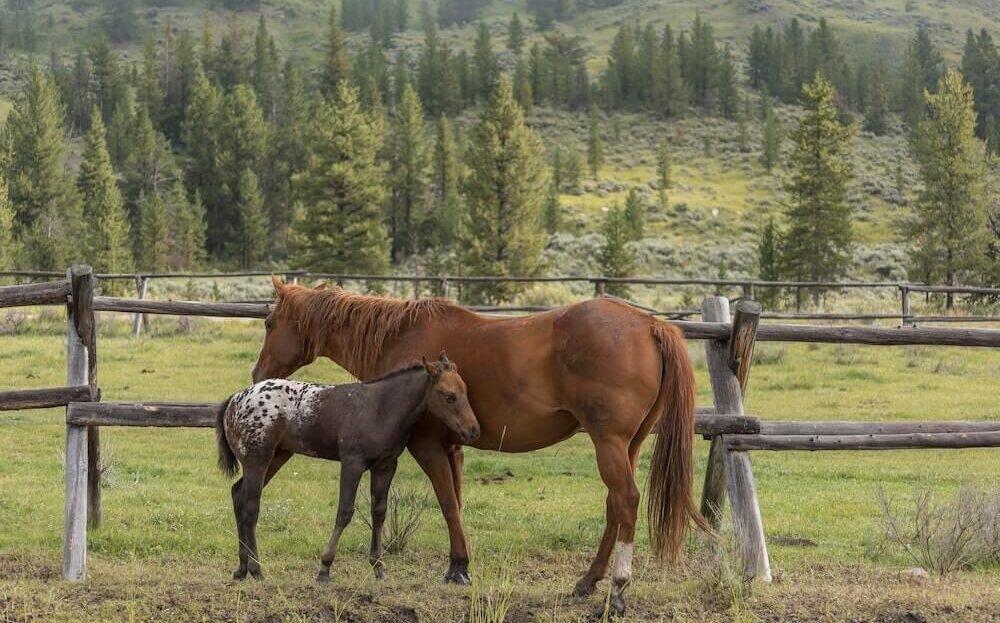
(451, 398)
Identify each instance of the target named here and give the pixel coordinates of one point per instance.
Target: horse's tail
(227, 460)
(670, 502)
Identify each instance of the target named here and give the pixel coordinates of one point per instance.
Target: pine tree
(950, 230)
(155, 234)
(769, 261)
(595, 147)
(617, 259)
(264, 71)
(505, 191)
(148, 166)
(9, 246)
(771, 149)
(120, 132)
(107, 84)
(149, 94)
(635, 215)
(336, 64)
(817, 245)
(188, 232)
(485, 62)
(552, 211)
(515, 35)
(664, 164)
(199, 130)
(409, 184)
(46, 208)
(341, 189)
(447, 204)
(877, 106)
(251, 244)
(522, 86)
(288, 148)
(727, 91)
(108, 240)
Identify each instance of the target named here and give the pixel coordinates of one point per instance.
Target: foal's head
(447, 399)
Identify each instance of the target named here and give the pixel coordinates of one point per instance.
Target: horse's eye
(452, 398)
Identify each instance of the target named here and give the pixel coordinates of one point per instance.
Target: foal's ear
(432, 369)
(322, 285)
(278, 285)
(443, 358)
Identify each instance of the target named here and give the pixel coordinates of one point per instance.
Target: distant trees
(409, 183)
(950, 232)
(108, 241)
(819, 236)
(770, 152)
(981, 67)
(504, 192)
(617, 258)
(339, 227)
(664, 167)
(595, 144)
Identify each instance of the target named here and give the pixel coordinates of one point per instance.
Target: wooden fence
(730, 341)
(442, 286)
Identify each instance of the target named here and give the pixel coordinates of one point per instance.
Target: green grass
(168, 521)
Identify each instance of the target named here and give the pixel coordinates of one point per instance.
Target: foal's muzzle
(471, 434)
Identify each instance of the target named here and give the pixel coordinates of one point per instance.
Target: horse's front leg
(381, 482)
(432, 454)
(350, 476)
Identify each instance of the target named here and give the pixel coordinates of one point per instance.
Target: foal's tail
(670, 502)
(227, 460)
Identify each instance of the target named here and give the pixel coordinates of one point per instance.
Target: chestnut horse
(600, 366)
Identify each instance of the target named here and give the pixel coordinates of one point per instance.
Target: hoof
(379, 570)
(584, 586)
(323, 577)
(240, 574)
(257, 575)
(615, 607)
(458, 573)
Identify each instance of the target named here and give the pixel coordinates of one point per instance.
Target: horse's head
(448, 400)
(285, 348)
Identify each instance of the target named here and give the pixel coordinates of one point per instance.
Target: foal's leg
(253, 485)
(237, 494)
(381, 481)
(350, 476)
(433, 457)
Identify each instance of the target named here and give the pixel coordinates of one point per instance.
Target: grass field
(167, 546)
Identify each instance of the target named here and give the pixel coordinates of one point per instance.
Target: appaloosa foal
(365, 426)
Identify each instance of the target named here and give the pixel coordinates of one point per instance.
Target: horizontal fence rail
(48, 397)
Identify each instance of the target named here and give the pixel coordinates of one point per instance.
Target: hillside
(720, 195)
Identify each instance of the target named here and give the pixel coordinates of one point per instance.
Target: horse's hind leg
(615, 466)
(350, 476)
(237, 494)
(253, 485)
(381, 482)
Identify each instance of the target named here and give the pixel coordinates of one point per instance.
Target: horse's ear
(432, 369)
(278, 285)
(322, 285)
(443, 358)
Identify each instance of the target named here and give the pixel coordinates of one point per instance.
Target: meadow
(167, 546)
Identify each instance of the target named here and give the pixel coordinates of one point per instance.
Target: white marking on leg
(623, 562)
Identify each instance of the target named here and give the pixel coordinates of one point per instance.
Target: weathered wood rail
(729, 342)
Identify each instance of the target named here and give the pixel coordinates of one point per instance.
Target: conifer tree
(341, 190)
(505, 191)
(515, 35)
(8, 243)
(769, 261)
(595, 147)
(43, 198)
(200, 120)
(188, 232)
(771, 149)
(522, 86)
(288, 147)
(664, 164)
(410, 165)
(617, 259)
(147, 167)
(108, 239)
(877, 106)
(149, 94)
(552, 210)
(727, 91)
(951, 220)
(817, 244)
(485, 62)
(155, 234)
(635, 215)
(336, 64)
(251, 243)
(120, 132)
(264, 71)
(446, 214)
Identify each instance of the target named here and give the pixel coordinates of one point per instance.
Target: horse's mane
(367, 321)
(410, 367)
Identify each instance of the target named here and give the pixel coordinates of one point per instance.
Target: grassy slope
(168, 519)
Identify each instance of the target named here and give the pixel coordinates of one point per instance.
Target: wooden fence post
(729, 368)
(444, 287)
(599, 286)
(141, 284)
(904, 297)
(748, 291)
(78, 447)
